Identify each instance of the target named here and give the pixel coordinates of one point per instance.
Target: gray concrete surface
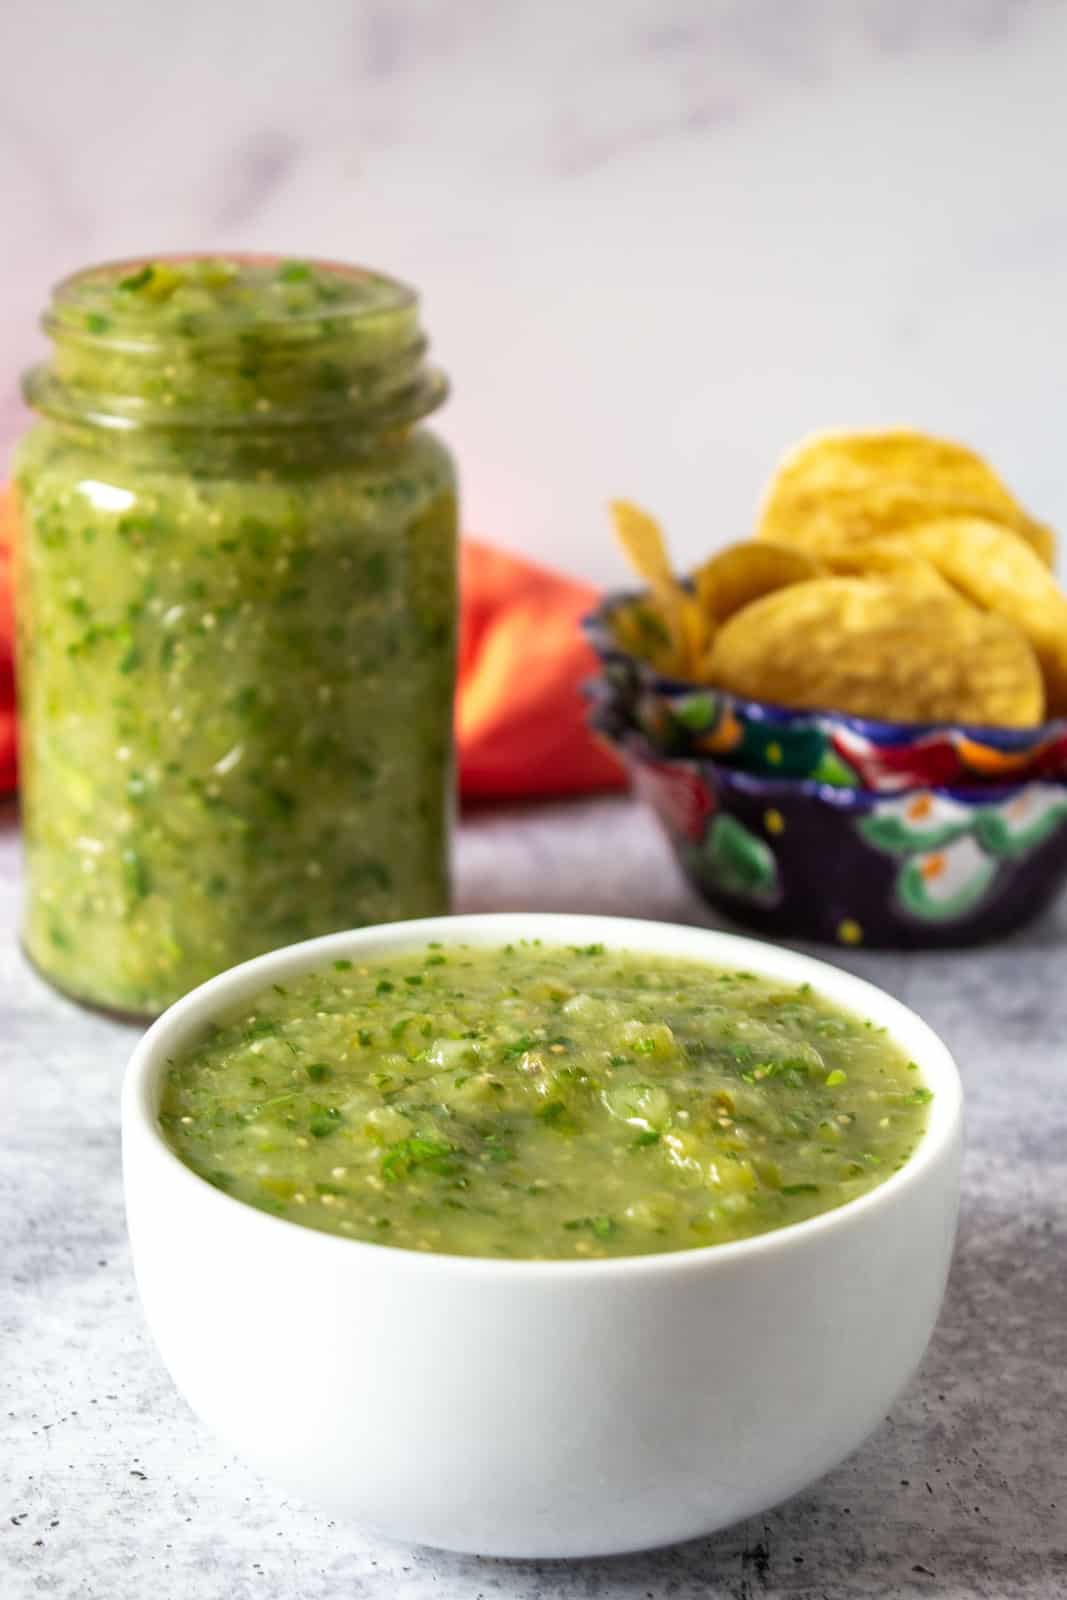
(111, 1490)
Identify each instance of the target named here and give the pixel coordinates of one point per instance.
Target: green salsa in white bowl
(542, 1101)
(634, 1228)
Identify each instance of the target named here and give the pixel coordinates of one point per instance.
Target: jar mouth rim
(233, 341)
(382, 295)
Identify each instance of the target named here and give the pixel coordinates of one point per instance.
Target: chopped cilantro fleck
(137, 280)
(324, 1121)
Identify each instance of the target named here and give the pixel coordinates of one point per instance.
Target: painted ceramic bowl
(926, 867)
(682, 719)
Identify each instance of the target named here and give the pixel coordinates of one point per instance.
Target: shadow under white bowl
(540, 1408)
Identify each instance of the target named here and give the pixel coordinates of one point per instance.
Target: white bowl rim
(629, 934)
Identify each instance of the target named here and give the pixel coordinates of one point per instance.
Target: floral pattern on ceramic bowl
(683, 719)
(927, 867)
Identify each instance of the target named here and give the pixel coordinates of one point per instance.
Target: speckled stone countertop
(112, 1491)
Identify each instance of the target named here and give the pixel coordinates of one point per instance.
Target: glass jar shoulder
(74, 485)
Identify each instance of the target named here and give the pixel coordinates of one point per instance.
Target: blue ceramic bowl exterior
(926, 868)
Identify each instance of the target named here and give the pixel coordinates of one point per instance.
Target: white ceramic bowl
(540, 1408)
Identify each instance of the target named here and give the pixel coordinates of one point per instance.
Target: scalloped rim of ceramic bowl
(596, 626)
(635, 745)
(179, 1025)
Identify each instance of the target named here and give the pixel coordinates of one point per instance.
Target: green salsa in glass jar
(236, 578)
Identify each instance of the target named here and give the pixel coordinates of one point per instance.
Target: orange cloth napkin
(520, 720)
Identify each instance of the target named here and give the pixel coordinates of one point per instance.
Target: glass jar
(237, 600)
